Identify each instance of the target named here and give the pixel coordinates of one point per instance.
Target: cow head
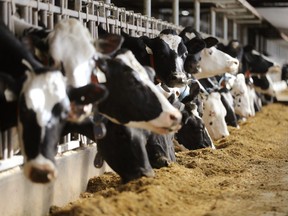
(123, 148)
(133, 98)
(214, 116)
(193, 133)
(74, 50)
(43, 108)
(254, 61)
(168, 54)
(212, 61)
(240, 96)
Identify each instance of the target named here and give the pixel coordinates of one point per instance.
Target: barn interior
(260, 23)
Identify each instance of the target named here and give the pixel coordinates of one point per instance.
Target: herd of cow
(136, 97)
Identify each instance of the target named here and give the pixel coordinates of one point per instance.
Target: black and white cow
(213, 61)
(128, 88)
(166, 53)
(43, 105)
(254, 62)
(42, 102)
(193, 134)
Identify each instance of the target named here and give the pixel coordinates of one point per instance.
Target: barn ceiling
(270, 15)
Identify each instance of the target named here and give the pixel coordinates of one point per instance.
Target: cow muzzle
(177, 79)
(232, 66)
(40, 170)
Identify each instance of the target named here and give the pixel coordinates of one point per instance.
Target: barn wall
(20, 197)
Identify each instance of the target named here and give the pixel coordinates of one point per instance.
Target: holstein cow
(211, 84)
(130, 152)
(240, 96)
(214, 116)
(166, 53)
(128, 88)
(43, 106)
(213, 61)
(193, 133)
(42, 103)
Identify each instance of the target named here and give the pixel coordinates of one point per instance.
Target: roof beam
(251, 21)
(241, 16)
(230, 10)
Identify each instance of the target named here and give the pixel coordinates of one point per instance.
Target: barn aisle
(247, 175)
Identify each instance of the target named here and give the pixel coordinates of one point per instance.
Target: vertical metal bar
(9, 143)
(25, 14)
(5, 144)
(35, 17)
(245, 35)
(78, 5)
(4, 11)
(147, 8)
(225, 28)
(235, 33)
(43, 16)
(176, 12)
(197, 15)
(213, 22)
(1, 145)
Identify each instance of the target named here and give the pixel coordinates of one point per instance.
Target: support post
(235, 32)
(176, 12)
(225, 28)
(197, 15)
(213, 22)
(147, 8)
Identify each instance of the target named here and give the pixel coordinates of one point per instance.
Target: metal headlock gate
(75, 152)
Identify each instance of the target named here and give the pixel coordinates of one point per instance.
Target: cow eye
(210, 51)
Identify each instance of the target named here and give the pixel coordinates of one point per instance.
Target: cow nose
(41, 175)
(234, 62)
(173, 117)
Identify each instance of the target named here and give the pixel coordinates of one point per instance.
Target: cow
(42, 103)
(240, 96)
(166, 53)
(138, 102)
(213, 61)
(193, 134)
(214, 116)
(127, 88)
(254, 62)
(223, 87)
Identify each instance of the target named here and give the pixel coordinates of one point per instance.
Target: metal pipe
(147, 8)
(235, 33)
(213, 22)
(176, 12)
(225, 28)
(197, 15)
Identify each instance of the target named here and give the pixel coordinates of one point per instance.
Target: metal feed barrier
(91, 13)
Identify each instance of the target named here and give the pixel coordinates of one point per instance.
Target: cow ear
(211, 41)
(109, 43)
(195, 45)
(149, 44)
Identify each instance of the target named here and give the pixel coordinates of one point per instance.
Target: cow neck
(157, 80)
(94, 78)
(152, 64)
(247, 73)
